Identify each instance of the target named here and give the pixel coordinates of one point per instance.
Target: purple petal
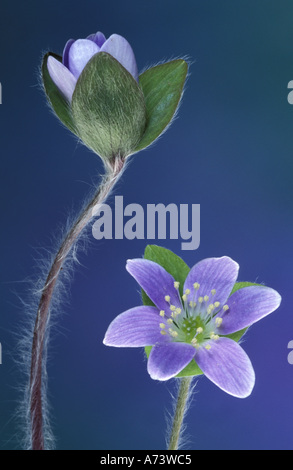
(121, 50)
(91, 37)
(137, 327)
(166, 361)
(80, 53)
(156, 282)
(217, 274)
(227, 366)
(66, 52)
(247, 306)
(62, 77)
(99, 39)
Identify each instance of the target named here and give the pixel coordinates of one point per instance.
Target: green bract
(113, 114)
(175, 266)
(162, 87)
(108, 107)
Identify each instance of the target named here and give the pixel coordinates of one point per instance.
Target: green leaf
(146, 300)
(108, 107)
(238, 335)
(172, 263)
(241, 285)
(148, 350)
(162, 87)
(191, 370)
(55, 97)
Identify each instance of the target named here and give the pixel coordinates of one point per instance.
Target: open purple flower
(77, 54)
(195, 325)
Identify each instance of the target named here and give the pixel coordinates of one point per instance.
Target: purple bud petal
(91, 37)
(66, 52)
(121, 50)
(62, 77)
(80, 53)
(99, 38)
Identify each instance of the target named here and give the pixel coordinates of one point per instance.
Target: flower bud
(95, 90)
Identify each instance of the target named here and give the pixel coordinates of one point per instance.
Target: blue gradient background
(230, 150)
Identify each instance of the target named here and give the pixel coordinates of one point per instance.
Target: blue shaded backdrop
(230, 150)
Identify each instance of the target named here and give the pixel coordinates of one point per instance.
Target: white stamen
(219, 321)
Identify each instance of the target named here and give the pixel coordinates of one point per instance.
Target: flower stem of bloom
(180, 411)
(96, 92)
(37, 372)
(198, 324)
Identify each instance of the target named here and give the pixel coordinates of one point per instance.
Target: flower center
(196, 321)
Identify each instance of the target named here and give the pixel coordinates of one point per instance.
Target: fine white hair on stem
(43, 262)
(47, 297)
(171, 416)
(74, 240)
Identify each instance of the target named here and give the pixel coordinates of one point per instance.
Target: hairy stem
(180, 411)
(38, 351)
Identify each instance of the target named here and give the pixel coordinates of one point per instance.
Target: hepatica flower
(95, 90)
(193, 326)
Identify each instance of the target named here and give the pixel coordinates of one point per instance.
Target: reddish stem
(43, 315)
